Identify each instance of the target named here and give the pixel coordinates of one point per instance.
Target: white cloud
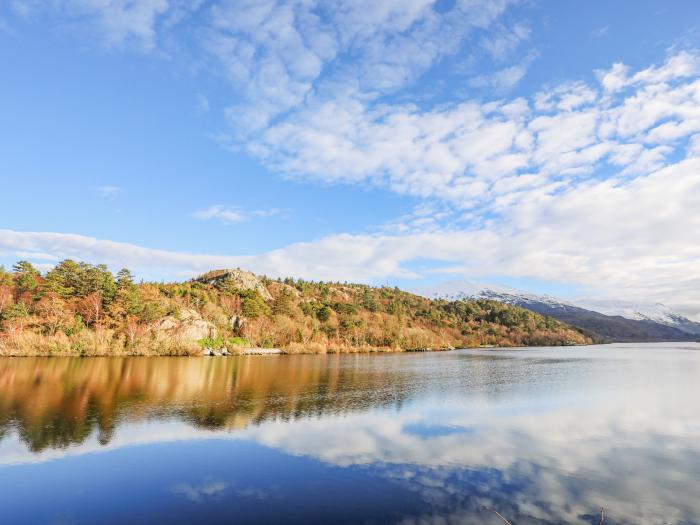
(633, 416)
(460, 152)
(504, 41)
(233, 214)
(217, 211)
(637, 239)
(202, 492)
(587, 182)
(504, 79)
(600, 32)
(111, 22)
(282, 55)
(109, 192)
(545, 448)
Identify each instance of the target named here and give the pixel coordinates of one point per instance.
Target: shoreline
(257, 351)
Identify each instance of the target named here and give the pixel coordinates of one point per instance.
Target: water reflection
(544, 436)
(59, 402)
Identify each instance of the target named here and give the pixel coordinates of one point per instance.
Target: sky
(553, 146)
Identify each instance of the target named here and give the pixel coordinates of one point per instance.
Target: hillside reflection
(60, 402)
(546, 436)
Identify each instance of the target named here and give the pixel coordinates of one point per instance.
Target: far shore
(253, 351)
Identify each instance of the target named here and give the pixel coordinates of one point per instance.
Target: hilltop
(82, 309)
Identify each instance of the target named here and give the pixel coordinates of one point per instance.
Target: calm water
(547, 435)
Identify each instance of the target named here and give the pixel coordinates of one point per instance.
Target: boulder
(188, 326)
(216, 352)
(238, 278)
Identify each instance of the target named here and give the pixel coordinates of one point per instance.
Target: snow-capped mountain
(657, 312)
(640, 311)
(457, 290)
(610, 320)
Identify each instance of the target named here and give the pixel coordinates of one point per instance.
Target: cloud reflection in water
(544, 436)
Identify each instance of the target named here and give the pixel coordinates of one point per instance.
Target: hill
(81, 309)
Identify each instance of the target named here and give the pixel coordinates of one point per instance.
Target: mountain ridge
(605, 320)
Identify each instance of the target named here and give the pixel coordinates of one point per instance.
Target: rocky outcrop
(236, 323)
(238, 278)
(188, 325)
(216, 352)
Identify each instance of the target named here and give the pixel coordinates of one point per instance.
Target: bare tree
(134, 330)
(91, 308)
(5, 297)
(52, 311)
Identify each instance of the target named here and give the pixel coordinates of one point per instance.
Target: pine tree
(26, 276)
(125, 278)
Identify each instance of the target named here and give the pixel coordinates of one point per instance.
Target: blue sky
(388, 142)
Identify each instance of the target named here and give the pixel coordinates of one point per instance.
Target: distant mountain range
(602, 319)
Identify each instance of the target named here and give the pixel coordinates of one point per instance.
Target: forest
(77, 308)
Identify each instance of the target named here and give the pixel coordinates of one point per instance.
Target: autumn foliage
(82, 309)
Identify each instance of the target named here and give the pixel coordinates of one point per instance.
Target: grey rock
(241, 279)
(187, 326)
(236, 322)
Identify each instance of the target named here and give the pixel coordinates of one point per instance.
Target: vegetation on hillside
(82, 309)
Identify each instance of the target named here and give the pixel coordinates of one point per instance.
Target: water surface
(543, 435)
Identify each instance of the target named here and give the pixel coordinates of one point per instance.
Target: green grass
(222, 342)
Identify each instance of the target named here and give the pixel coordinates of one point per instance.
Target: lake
(541, 435)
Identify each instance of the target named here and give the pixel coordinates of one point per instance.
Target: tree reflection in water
(55, 403)
(541, 435)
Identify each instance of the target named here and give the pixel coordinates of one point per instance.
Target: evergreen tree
(283, 303)
(70, 279)
(125, 278)
(26, 276)
(253, 304)
(63, 279)
(324, 313)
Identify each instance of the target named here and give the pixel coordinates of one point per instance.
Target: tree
(71, 279)
(324, 313)
(369, 302)
(91, 308)
(283, 303)
(64, 279)
(134, 330)
(127, 301)
(5, 277)
(125, 279)
(26, 276)
(324, 291)
(22, 267)
(52, 312)
(153, 304)
(232, 304)
(253, 304)
(14, 327)
(15, 311)
(98, 279)
(6, 298)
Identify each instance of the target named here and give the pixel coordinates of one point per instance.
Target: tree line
(77, 307)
